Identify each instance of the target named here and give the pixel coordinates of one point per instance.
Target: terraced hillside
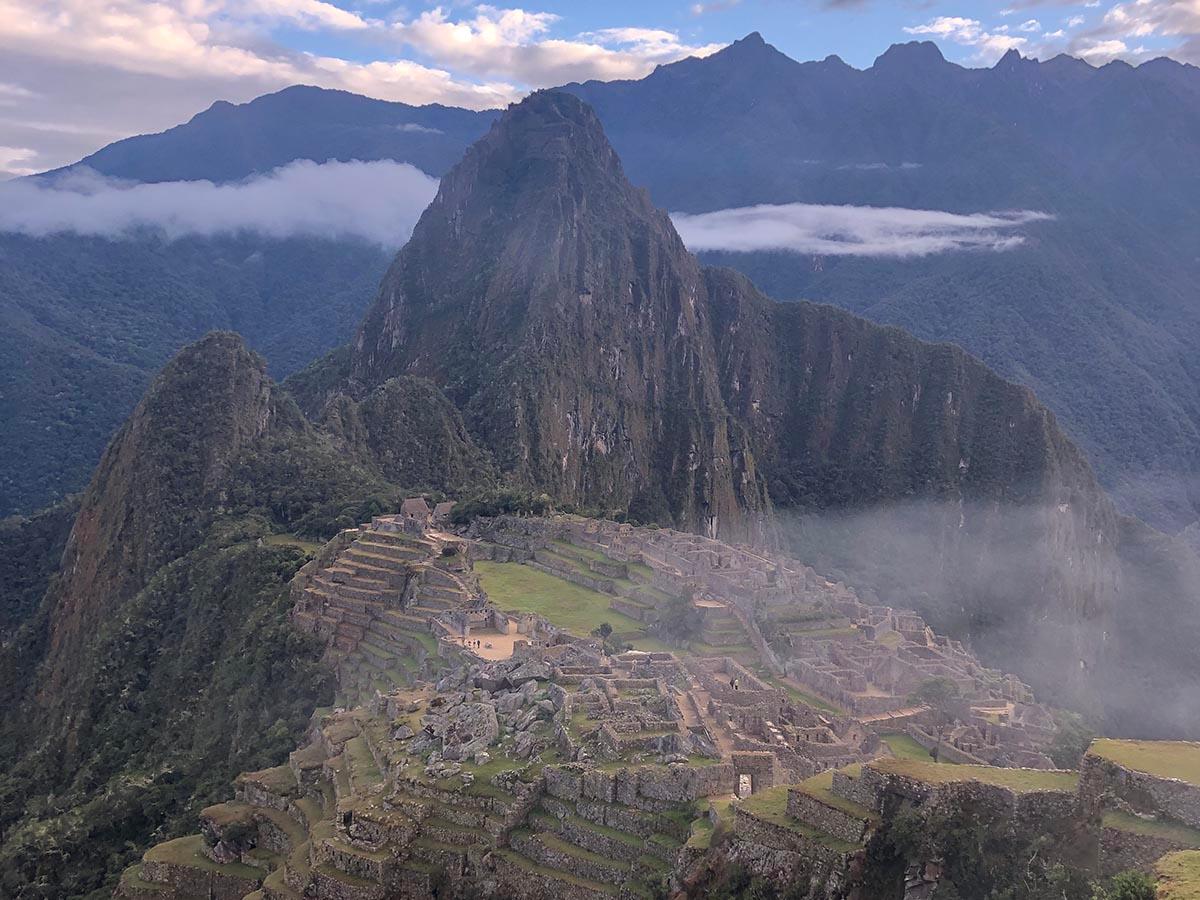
(375, 594)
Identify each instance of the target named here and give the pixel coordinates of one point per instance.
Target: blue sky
(76, 74)
(856, 31)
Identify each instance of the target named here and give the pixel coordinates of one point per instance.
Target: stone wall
(653, 788)
(517, 882)
(1102, 779)
(856, 790)
(947, 753)
(781, 853)
(189, 881)
(830, 819)
(1121, 850)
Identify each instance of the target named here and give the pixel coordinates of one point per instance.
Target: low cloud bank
(377, 201)
(851, 230)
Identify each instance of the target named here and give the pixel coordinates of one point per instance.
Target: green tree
(1129, 885)
(939, 694)
(1071, 740)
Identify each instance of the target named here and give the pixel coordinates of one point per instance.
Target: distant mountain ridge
(229, 142)
(1095, 311)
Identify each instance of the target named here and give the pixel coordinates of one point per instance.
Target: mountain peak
(912, 55)
(549, 143)
(750, 50)
(1009, 61)
(552, 121)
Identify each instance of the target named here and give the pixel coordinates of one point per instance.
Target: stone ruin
(479, 752)
(780, 616)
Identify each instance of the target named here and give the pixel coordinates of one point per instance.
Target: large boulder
(469, 728)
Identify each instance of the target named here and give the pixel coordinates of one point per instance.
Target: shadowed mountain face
(597, 361)
(560, 311)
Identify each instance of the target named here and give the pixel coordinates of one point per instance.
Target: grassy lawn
(827, 633)
(1166, 759)
(648, 644)
(585, 552)
(363, 769)
(579, 610)
(904, 747)
(1179, 876)
(1019, 780)
(1171, 831)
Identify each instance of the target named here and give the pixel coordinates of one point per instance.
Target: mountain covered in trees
(545, 330)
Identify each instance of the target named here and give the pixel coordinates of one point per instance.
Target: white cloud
(201, 50)
(1101, 51)
(11, 93)
(215, 40)
(11, 159)
(378, 201)
(1132, 30)
(989, 45)
(513, 43)
(306, 13)
(851, 230)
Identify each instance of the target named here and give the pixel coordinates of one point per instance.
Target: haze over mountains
(1093, 307)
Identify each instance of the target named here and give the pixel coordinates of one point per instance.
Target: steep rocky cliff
(155, 489)
(560, 311)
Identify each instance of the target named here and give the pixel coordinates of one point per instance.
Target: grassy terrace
(189, 851)
(1166, 759)
(904, 747)
(1020, 780)
(771, 806)
(819, 787)
(278, 780)
(518, 588)
(290, 540)
(1179, 876)
(1171, 831)
(701, 835)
